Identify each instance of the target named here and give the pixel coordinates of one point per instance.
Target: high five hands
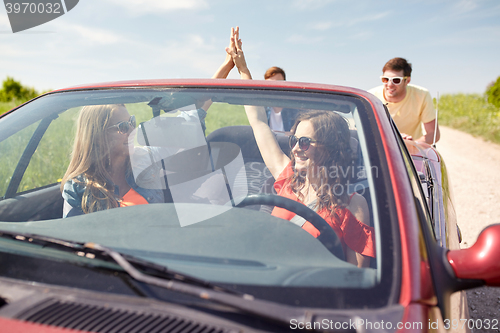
(235, 51)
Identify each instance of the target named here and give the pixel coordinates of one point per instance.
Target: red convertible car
(156, 206)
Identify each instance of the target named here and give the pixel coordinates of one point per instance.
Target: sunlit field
(6, 106)
(470, 113)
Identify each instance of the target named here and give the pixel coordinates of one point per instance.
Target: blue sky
(454, 45)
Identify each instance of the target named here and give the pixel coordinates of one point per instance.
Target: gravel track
(474, 170)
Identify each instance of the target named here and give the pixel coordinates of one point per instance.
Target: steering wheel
(327, 236)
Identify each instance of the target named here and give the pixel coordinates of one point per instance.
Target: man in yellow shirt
(410, 106)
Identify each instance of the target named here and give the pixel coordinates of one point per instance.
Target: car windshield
(196, 194)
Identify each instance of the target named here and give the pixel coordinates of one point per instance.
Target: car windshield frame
(43, 110)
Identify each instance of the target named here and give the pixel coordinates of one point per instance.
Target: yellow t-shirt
(412, 112)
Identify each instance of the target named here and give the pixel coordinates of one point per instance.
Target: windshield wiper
(82, 250)
(162, 277)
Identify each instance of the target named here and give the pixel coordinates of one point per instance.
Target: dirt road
(474, 169)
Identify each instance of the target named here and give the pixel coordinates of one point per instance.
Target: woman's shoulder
(284, 177)
(356, 199)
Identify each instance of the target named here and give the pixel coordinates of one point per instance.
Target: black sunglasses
(304, 142)
(124, 126)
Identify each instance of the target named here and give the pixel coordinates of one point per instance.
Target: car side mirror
(480, 261)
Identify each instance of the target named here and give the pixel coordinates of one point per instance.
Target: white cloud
(473, 37)
(191, 52)
(322, 26)
(155, 6)
(367, 18)
(89, 34)
(8, 52)
(310, 4)
(303, 39)
(473, 10)
(465, 6)
(4, 23)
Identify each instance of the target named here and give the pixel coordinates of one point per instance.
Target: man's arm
(430, 128)
(224, 69)
(429, 118)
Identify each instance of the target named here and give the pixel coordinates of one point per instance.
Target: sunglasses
(396, 80)
(304, 142)
(124, 126)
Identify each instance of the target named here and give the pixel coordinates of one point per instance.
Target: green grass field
(4, 107)
(470, 113)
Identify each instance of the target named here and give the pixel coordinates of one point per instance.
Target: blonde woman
(99, 175)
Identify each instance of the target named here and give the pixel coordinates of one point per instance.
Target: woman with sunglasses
(99, 174)
(315, 172)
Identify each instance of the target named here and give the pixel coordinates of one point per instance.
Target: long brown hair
(332, 159)
(91, 158)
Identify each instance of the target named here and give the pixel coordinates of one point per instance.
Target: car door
(433, 200)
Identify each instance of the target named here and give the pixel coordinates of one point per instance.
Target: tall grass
(6, 106)
(470, 113)
(221, 115)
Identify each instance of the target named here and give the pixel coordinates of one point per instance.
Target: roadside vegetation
(475, 114)
(13, 93)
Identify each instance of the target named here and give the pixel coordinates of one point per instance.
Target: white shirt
(276, 121)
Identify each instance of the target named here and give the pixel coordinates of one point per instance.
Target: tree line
(493, 93)
(13, 90)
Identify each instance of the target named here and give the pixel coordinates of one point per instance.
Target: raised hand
(236, 52)
(229, 59)
(226, 67)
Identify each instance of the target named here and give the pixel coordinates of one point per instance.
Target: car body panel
(18, 326)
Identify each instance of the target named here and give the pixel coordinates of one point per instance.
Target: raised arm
(273, 156)
(236, 53)
(228, 64)
(271, 152)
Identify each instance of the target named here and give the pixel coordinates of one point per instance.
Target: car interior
(45, 202)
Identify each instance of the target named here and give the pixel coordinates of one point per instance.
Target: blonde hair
(91, 158)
